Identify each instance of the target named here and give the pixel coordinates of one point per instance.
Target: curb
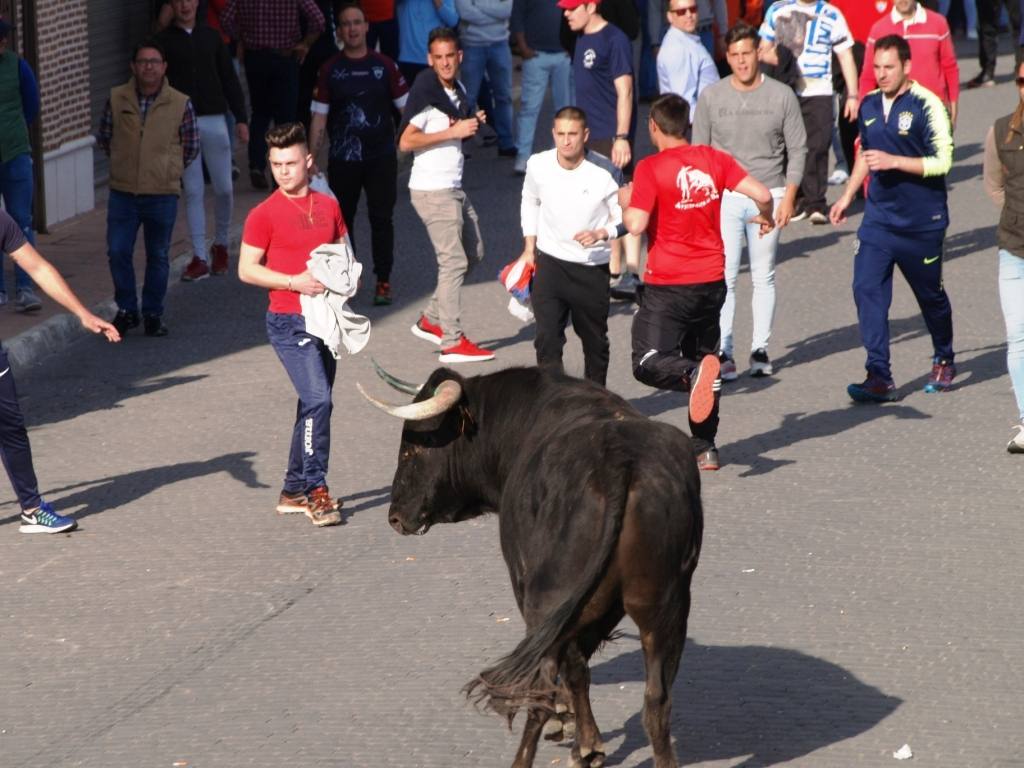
(59, 332)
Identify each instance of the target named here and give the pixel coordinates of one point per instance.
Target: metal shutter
(115, 26)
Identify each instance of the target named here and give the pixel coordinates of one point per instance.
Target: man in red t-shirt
(676, 198)
(278, 236)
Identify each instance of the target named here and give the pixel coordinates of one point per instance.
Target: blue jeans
(496, 59)
(311, 368)
(16, 185)
(156, 214)
(1011, 296)
(545, 67)
(215, 152)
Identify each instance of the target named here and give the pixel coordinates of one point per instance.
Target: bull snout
(408, 524)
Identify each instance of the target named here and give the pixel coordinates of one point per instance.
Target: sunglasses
(684, 11)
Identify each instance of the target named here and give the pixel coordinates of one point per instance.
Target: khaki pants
(454, 231)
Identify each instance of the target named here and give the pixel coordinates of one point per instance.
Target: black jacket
(198, 65)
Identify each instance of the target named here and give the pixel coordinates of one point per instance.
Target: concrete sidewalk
(78, 248)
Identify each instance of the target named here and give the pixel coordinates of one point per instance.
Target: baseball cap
(570, 4)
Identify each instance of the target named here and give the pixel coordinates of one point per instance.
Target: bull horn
(402, 386)
(445, 397)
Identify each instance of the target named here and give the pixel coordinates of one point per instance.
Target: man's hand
(463, 129)
(621, 153)
(837, 214)
(306, 284)
(766, 224)
(528, 257)
(526, 52)
(242, 132)
(783, 212)
(766, 54)
(878, 160)
(299, 51)
(97, 325)
(481, 116)
(589, 237)
(850, 110)
(625, 195)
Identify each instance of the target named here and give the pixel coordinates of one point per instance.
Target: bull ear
(446, 396)
(402, 386)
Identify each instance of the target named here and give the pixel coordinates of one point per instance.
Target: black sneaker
(124, 321)
(760, 365)
(983, 79)
(258, 179)
(154, 326)
(873, 390)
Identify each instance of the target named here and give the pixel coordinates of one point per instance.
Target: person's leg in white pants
(762, 252)
(733, 228)
(216, 143)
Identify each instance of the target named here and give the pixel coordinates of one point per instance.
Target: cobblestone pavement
(855, 591)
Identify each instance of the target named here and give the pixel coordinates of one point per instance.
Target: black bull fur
(600, 516)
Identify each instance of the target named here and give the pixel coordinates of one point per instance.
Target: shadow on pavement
(796, 427)
(765, 705)
(119, 491)
(375, 498)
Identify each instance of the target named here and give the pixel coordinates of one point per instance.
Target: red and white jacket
(933, 59)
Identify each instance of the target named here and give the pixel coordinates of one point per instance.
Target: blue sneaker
(873, 390)
(941, 377)
(45, 520)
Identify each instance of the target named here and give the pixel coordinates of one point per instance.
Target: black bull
(600, 516)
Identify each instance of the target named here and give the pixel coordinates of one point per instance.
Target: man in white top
(684, 65)
(570, 211)
(813, 30)
(435, 122)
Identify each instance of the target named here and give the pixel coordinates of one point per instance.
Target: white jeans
(737, 211)
(215, 151)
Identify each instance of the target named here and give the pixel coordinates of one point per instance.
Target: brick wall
(63, 71)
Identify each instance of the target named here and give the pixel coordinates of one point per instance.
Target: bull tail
(527, 677)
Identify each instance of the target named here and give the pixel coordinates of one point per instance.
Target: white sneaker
(838, 178)
(817, 217)
(1016, 444)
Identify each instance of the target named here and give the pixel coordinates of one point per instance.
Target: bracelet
(853, 96)
(621, 136)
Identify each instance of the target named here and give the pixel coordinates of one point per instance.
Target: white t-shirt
(558, 203)
(812, 32)
(439, 166)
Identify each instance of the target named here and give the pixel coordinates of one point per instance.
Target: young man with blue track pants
(907, 148)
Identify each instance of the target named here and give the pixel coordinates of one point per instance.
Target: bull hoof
(553, 730)
(592, 760)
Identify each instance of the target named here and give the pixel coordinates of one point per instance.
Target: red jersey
(681, 188)
(287, 229)
(861, 14)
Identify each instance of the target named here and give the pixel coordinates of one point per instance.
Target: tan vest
(146, 157)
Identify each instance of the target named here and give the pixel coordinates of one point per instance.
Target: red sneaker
(218, 259)
(322, 509)
(705, 386)
(427, 331)
(382, 296)
(196, 270)
(465, 352)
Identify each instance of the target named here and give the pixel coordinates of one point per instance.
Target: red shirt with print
(681, 188)
(287, 229)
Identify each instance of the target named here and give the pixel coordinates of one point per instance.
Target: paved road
(856, 589)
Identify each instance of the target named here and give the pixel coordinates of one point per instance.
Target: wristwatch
(623, 136)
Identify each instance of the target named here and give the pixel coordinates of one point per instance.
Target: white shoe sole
(420, 333)
(45, 529)
(758, 371)
(465, 358)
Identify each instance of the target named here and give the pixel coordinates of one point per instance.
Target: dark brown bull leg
(588, 751)
(662, 651)
(531, 735)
